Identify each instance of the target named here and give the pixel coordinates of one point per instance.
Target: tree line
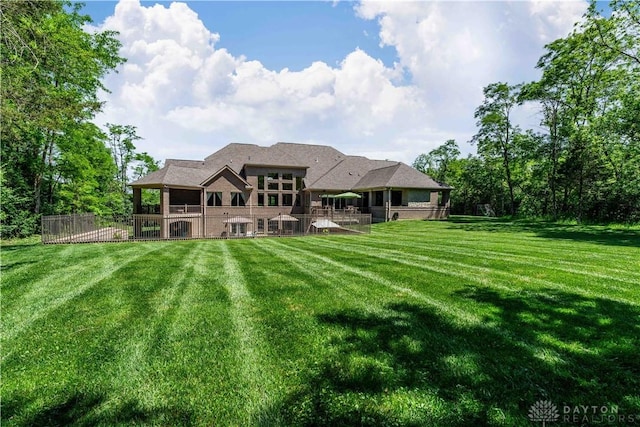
(583, 161)
(54, 158)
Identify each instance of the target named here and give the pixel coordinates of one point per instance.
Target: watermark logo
(545, 411)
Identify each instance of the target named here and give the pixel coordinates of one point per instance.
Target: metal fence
(84, 228)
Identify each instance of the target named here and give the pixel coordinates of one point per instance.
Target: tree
(51, 71)
(496, 133)
(436, 162)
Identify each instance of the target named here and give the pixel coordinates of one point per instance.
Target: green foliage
(54, 160)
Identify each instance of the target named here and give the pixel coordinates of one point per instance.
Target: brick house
(253, 182)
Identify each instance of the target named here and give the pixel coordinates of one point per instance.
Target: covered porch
(167, 212)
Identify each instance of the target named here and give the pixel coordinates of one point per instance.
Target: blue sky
(284, 34)
(384, 79)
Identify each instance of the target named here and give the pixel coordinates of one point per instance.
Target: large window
(237, 199)
(214, 199)
(260, 182)
(260, 199)
(260, 225)
(273, 199)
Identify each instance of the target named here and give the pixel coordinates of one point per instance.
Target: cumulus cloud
(188, 97)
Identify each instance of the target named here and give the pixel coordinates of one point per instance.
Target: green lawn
(466, 322)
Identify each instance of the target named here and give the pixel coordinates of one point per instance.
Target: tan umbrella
(284, 218)
(237, 220)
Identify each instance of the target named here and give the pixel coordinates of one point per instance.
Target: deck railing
(182, 209)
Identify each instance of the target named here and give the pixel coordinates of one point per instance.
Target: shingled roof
(177, 176)
(326, 168)
(398, 176)
(347, 173)
(236, 156)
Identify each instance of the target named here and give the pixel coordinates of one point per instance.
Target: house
(246, 182)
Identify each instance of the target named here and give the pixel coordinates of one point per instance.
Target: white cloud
(188, 98)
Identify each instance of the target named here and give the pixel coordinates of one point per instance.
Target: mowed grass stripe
(63, 285)
(326, 262)
(512, 245)
(136, 360)
(551, 263)
(255, 389)
(515, 241)
(332, 288)
(449, 307)
(484, 275)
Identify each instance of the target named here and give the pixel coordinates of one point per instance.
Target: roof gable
(220, 172)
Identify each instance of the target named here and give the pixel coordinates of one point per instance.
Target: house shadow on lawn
(412, 366)
(551, 230)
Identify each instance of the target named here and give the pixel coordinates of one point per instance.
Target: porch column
(137, 200)
(164, 210)
(137, 209)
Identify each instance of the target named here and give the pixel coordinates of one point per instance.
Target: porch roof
(172, 175)
(399, 175)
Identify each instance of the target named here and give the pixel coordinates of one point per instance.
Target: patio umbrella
(347, 195)
(237, 220)
(325, 223)
(284, 218)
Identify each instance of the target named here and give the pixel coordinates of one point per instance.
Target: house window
(287, 200)
(272, 175)
(260, 182)
(260, 199)
(287, 186)
(214, 199)
(396, 198)
(273, 186)
(298, 183)
(378, 198)
(260, 225)
(287, 176)
(237, 199)
(273, 199)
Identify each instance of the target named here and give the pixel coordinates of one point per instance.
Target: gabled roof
(178, 176)
(236, 156)
(398, 176)
(208, 180)
(347, 173)
(318, 158)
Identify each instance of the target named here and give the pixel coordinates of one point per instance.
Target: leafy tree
(436, 163)
(496, 135)
(51, 71)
